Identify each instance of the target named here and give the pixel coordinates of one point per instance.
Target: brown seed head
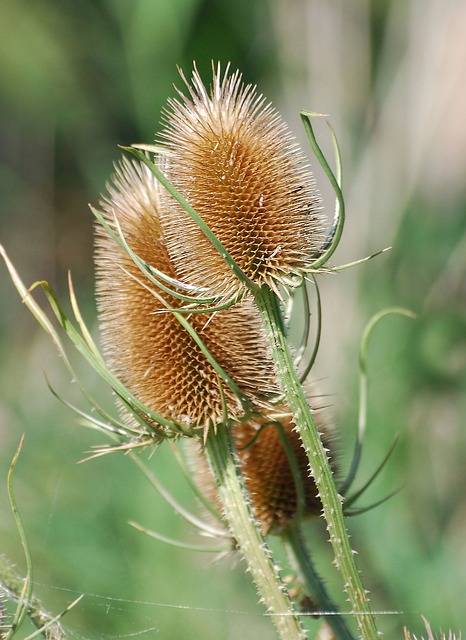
(235, 161)
(268, 473)
(146, 347)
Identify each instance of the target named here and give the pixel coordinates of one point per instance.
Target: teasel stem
(245, 529)
(301, 559)
(269, 306)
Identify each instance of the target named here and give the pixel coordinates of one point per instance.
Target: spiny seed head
(268, 472)
(236, 163)
(146, 346)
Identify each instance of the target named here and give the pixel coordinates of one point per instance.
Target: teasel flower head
(268, 450)
(267, 465)
(236, 163)
(273, 462)
(144, 343)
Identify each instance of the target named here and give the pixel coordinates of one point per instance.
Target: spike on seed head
(146, 346)
(235, 161)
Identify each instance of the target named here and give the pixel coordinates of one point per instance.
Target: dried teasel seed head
(267, 471)
(235, 161)
(146, 346)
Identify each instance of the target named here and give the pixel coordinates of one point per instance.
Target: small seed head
(268, 472)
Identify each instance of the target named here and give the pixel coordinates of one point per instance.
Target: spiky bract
(146, 346)
(235, 161)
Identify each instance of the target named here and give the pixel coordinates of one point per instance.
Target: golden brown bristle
(146, 347)
(235, 161)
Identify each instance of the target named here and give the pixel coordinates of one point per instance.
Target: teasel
(145, 344)
(244, 214)
(187, 373)
(275, 469)
(236, 163)
(240, 216)
(159, 360)
(282, 493)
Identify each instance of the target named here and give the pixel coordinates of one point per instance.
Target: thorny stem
(245, 530)
(269, 307)
(304, 565)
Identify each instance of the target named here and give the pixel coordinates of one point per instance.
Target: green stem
(269, 307)
(245, 529)
(302, 561)
(13, 585)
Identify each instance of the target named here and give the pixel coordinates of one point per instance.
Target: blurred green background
(79, 77)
